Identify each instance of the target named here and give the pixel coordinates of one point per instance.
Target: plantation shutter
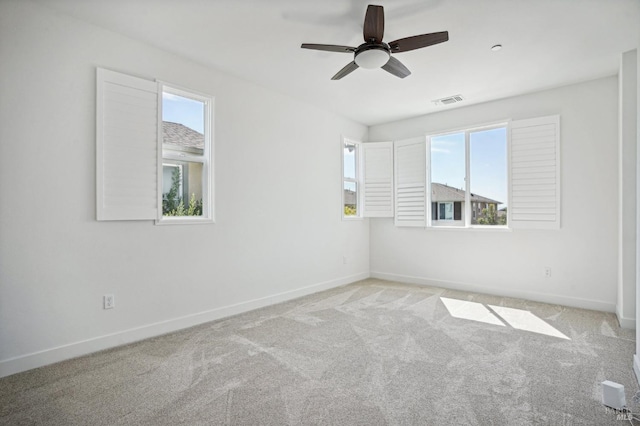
(378, 179)
(410, 182)
(534, 200)
(126, 147)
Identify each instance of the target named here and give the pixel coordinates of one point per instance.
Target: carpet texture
(370, 353)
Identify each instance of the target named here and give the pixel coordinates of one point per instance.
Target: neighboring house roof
(441, 192)
(181, 136)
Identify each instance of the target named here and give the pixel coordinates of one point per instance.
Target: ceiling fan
(374, 53)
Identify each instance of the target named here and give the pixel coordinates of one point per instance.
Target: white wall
(278, 235)
(582, 254)
(627, 133)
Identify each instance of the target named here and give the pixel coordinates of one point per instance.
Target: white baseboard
(636, 367)
(628, 323)
(505, 292)
(49, 356)
(625, 322)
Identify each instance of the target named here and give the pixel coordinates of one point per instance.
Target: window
(350, 179)
(503, 174)
(153, 151)
(186, 150)
(469, 177)
(488, 182)
(446, 211)
(447, 178)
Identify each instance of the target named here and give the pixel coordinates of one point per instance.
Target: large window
(469, 177)
(487, 176)
(186, 147)
(350, 179)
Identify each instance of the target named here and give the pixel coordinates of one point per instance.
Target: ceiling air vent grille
(449, 100)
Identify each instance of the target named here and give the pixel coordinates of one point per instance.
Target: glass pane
(350, 199)
(448, 211)
(183, 123)
(447, 173)
(181, 188)
(349, 161)
(488, 164)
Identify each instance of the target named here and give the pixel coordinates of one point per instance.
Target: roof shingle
(180, 135)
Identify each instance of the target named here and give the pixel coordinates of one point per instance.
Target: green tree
(490, 217)
(172, 202)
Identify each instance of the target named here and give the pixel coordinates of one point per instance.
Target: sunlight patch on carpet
(473, 311)
(519, 319)
(525, 320)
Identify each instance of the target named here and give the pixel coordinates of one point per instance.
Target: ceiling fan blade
(374, 24)
(349, 68)
(328, 47)
(396, 68)
(416, 42)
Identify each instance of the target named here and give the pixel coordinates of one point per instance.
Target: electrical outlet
(109, 301)
(547, 272)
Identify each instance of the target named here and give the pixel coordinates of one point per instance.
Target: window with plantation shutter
(154, 151)
(378, 179)
(410, 182)
(127, 147)
(535, 173)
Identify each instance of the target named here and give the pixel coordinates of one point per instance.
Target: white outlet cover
(109, 301)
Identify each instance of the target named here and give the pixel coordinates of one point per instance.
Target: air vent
(449, 100)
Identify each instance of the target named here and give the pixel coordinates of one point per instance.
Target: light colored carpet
(370, 353)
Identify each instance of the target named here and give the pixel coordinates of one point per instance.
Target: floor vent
(449, 100)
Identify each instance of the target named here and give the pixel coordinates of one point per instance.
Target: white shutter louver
(410, 182)
(126, 147)
(535, 173)
(378, 179)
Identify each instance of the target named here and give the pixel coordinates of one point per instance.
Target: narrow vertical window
(447, 178)
(186, 156)
(488, 176)
(350, 184)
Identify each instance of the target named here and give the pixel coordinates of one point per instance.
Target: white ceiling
(546, 43)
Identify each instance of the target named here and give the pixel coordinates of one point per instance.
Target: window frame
(466, 223)
(206, 159)
(357, 180)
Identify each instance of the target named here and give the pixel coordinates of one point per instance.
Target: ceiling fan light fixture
(375, 53)
(372, 58)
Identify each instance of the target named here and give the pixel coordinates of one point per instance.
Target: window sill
(473, 228)
(184, 221)
(352, 218)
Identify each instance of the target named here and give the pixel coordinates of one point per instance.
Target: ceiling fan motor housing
(371, 56)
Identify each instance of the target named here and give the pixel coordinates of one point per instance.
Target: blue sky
(183, 110)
